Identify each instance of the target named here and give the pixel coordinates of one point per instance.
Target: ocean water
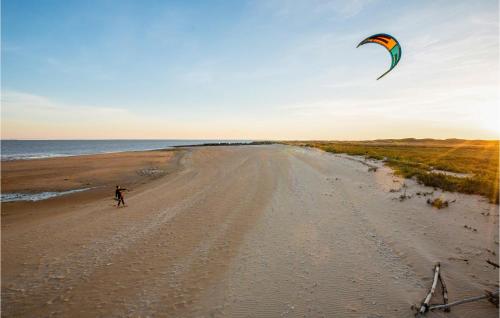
(35, 149)
(11, 197)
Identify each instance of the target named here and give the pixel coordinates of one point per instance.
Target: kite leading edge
(390, 43)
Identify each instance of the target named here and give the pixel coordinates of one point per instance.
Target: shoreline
(34, 197)
(88, 154)
(98, 174)
(58, 190)
(163, 148)
(80, 171)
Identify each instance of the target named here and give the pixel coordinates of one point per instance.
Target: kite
(390, 43)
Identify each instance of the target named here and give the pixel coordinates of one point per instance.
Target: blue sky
(272, 69)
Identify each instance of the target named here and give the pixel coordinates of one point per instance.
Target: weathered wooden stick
(445, 292)
(463, 301)
(492, 263)
(425, 304)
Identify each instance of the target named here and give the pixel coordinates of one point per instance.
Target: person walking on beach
(119, 196)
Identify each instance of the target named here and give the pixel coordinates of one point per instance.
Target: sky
(260, 69)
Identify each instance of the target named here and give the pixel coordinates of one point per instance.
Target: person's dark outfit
(119, 196)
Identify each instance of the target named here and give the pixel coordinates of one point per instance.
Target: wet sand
(248, 231)
(98, 173)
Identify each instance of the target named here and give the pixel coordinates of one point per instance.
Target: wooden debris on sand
(492, 263)
(425, 304)
(425, 307)
(491, 296)
(445, 292)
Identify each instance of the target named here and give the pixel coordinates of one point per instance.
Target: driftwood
(445, 292)
(425, 305)
(493, 297)
(492, 263)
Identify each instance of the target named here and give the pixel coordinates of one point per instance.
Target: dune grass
(420, 158)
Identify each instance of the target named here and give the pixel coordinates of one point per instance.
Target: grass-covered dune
(428, 160)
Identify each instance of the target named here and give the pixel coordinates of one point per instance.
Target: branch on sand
(491, 296)
(425, 307)
(445, 292)
(492, 263)
(425, 304)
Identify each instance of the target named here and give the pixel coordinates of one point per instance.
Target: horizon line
(242, 139)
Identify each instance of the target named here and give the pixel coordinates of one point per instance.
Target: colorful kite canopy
(390, 43)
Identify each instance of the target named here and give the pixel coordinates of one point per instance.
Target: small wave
(12, 197)
(32, 156)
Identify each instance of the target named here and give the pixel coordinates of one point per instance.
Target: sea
(36, 149)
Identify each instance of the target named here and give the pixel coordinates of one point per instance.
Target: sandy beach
(246, 231)
(99, 174)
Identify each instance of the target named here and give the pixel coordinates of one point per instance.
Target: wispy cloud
(77, 68)
(337, 8)
(343, 8)
(16, 103)
(27, 115)
(198, 77)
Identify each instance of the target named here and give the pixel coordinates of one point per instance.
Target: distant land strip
(214, 144)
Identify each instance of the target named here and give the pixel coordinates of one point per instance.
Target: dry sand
(251, 231)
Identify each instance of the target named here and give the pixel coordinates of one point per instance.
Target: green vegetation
(420, 158)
